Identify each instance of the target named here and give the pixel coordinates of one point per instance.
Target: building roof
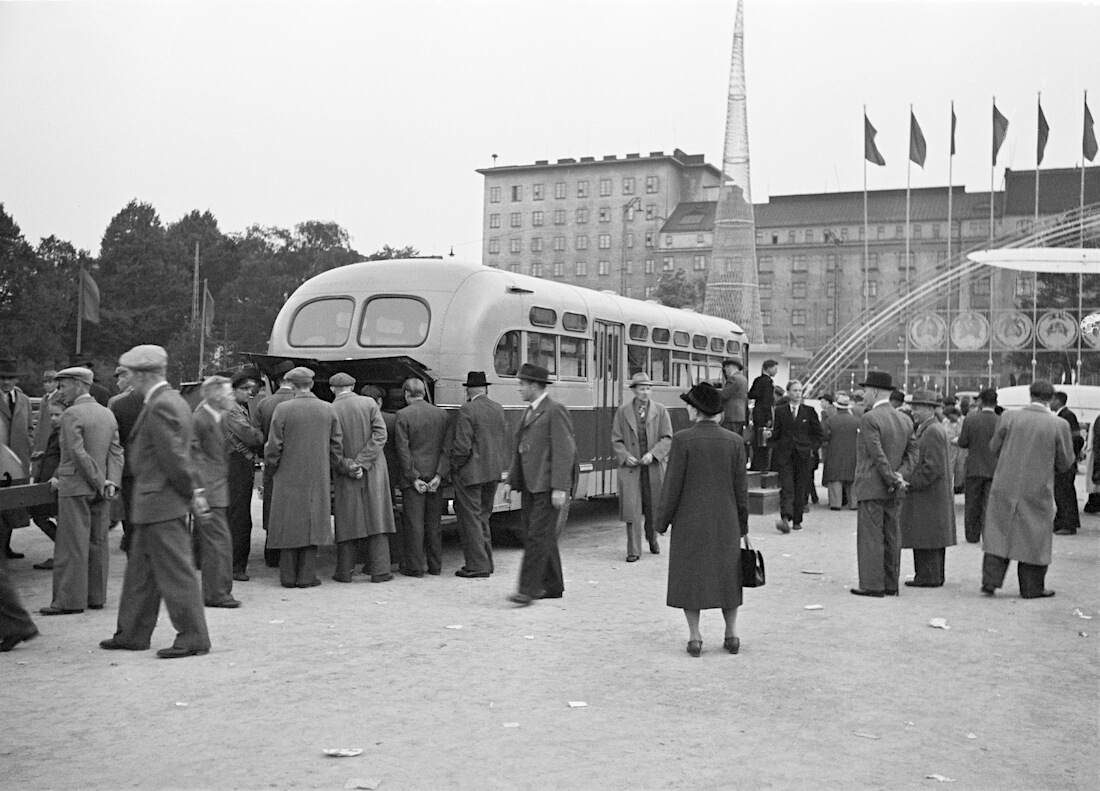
(691, 217)
(927, 204)
(1059, 190)
(679, 157)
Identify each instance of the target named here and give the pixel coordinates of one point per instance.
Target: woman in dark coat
(705, 485)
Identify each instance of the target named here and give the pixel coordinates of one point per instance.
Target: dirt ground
(861, 694)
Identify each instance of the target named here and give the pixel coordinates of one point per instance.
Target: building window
(536, 218)
(798, 263)
(536, 244)
(650, 291)
(582, 216)
(605, 188)
(559, 216)
(536, 270)
(630, 240)
(649, 239)
(515, 268)
(536, 192)
(766, 318)
(494, 246)
(809, 236)
(580, 269)
(628, 185)
(605, 214)
(880, 232)
(941, 259)
(765, 291)
(899, 231)
(830, 317)
(516, 245)
(830, 289)
(559, 243)
(559, 269)
(559, 190)
(582, 189)
(651, 184)
(517, 194)
(494, 194)
(830, 263)
(765, 264)
(604, 267)
(630, 213)
(980, 287)
(798, 317)
(775, 237)
(666, 263)
(516, 219)
(870, 289)
(844, 234)
(650, 266)
(790, 237)
(1023, 286)
(872, 262)
(581, 242)
(668, 241)
(629, 267)
(605, 241)
(494, 220)
(936, 230)
(651, 211)
(699, 263)
(700, 240)
(917, 232)
(798, 289)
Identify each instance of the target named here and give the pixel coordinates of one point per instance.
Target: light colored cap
(843, 401)
(146, 357)
(79, 374)
(341, 380)
(299, 375)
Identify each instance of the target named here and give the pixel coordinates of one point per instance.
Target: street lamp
(635, 202)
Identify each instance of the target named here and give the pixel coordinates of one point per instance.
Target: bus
(436, 319)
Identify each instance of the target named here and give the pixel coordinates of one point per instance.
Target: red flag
(870, 150)
(917, 147)
(952, 129)
(1000, 129)
(1088, 140)
(1044, 133)
(89, 297)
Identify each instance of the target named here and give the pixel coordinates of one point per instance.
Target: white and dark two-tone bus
(384, 321)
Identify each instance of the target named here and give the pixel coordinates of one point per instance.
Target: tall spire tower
(733, 289)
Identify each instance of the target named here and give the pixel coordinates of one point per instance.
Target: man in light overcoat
(928, 510)
(363, 511)
(1031, 445)
(841, 435)
(640, 438)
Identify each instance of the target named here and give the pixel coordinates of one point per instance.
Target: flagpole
(908, 231)
(80, 307)
(195, 287)
(1035, 229)
(202, 329)
(992, 172)
(950, 231)
(866, 257)
(1081, 275)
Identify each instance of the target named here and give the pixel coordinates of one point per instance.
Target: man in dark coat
(884, 457)
(477, 463)
(841, 432)
(303, 448)
(391, 403)
(543, 461)
(44, 466)
(15, 432)
(796, 437)
(735, 396)
(126, 407)
(421, 434)
(244, 443)
(1067, 519)
(928, 510)
(762, 395)
(977, 430)
(260, 417)
(160, 562)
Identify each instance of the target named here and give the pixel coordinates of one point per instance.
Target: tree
(387, 253)
(676, 291)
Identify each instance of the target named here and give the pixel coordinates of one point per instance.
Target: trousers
(474, 506)
(976, 499)
(795, 480)
(540, 572)
(298, 567)
(878, 544)
(839, 493)
(15, 621)
(928, 566)
(81, 559)
(215, 553)
(1067, 517)
(238, 514)
(1032, 577)
(423, 530)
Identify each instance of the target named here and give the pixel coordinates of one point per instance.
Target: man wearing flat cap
(88, 478)
(245, 444)
(884, 458)
(15, 432)
(477, 454)
(928, 511)
(160, 563)
(260, 417)
(641, 435)
(363, 514)
(542, 471)
(303, 448)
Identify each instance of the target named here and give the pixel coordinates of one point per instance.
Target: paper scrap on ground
(180, 703)
(939, 623)
(276, 621)
(343, 752)
(528, 637)
(1083, 634)
(812, 571)
(814, 607)
(455, 626)
(864, 735)
(369, 783)
(511, 725)
(971, 736)
(941, 778)
(1080, 614)
(576, 704)
(786, 555)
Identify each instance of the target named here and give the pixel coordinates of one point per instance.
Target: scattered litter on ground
(939, 623)
(180, 703)
(593, 582)
(381, 602)
(812, 571)
(910, 723)
(786, 555)
(1079, 614)
(455, 626)
(971, 736)
(941, 778)
(1083, 634)
(814, 607)
(511, 725)
(528, 637)
(278, 621)
(342, 752)
(577, 704)
(369, 783)
(864, 735)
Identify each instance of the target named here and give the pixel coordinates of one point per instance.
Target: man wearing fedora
(640, 437)
(885, 455)
(260, 418)
(543, 462)
(735, 395)
(841, 434)
(15, 432)
(476, 450)
(160, 563)
(928, 511)
(795, 439)
(762, 394)
(977, 430)
(88, 478)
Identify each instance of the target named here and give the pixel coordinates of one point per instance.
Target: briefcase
(752, 566)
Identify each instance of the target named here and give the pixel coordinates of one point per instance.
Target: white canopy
(1060, 260)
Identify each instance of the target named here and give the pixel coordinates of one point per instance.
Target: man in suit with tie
(543, 472)
(126, 406)
(165, 489)
(796, 437)
(885, 455)
(477, 461)
(762, 395)
(87, 479)
(1067, 519)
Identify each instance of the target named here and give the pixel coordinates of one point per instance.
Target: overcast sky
(376, 114)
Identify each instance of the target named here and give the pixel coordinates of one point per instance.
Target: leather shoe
(381, 577)
(341, 577)
(862, 592)
(15, 555)
(520, 599)
(313, 584)
(890, 593)
(467, 574)
(989, 590)
(782, 526)
(915, 584)
(412, 573)
(654, 547)
(229, 604)
(240, 576)
(695, 647)
(51, 610)
(95, 606)
(435, 572)
(796, 526)
(1046, 594)
(45, 565)
(732, 644)
(115, 645)
(12, 640)
(551, 595)
(1063, 532)
(173, 652)
(631, 558)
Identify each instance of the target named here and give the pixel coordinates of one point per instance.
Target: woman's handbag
(752, 566)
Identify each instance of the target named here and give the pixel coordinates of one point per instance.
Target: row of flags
(918, 148)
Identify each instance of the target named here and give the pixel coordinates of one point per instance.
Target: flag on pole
(89, 297)
(1044, 133)
(952, 129)
(1000, 129)
(207, 309)
(870, 150)
(917, 147)
(1088, 140)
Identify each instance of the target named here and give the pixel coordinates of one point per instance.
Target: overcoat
(625, 442)
(886, 445)
(841, 435)
(928, 510)
(1030, 444)
(15, 430)
(705, 499)
(977, 430)
(303, 447)
(1092, 463)
(956, 456)
(363, 506)
(90, 451)
(735, 399)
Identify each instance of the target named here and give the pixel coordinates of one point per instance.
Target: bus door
(608, 386)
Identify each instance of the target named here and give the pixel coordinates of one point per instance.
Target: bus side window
(542, 349)
(506, 357)
(681, 370)
(636, 360)
(658, 361)
(574, 358)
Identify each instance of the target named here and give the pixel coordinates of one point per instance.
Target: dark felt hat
(705, 397)
(534, 373)
(7, 370)
(733, 361)
(878, 379)
(475, 379)
(240, 378)
(926, 397)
